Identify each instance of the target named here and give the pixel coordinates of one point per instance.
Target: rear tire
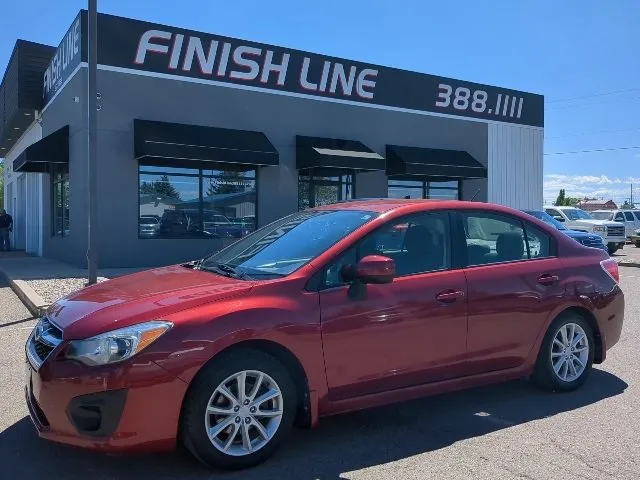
(248, 432)
(637, 243)
(566, 354)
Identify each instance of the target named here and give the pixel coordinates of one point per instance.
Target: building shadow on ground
(340, 444)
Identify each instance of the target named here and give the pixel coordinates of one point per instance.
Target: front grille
(44, 339)
(592, 242)
(616, 231)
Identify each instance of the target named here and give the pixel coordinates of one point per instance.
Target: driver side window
(417, 244)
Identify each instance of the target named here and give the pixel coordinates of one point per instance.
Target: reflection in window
(494, 239)
(60, 202)
(315, 190)
(192, 203)
(417, 244)
(410, 188)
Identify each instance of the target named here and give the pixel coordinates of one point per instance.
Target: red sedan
(328, 310)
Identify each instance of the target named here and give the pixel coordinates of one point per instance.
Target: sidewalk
(41, 281)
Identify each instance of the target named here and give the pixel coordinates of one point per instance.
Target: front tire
(239, 409)
(612, 250)
(566, 355)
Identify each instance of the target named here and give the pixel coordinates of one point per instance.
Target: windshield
(284, 246)
(577, 214)
(546, 218)
(602, 215)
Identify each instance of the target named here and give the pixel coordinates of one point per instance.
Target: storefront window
(187, 203)
(60, 202)
(316, 190)
(402, 188)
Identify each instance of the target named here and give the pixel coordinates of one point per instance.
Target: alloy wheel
(570, 352)
(244, 413)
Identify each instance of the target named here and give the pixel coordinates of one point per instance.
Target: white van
(629, 218)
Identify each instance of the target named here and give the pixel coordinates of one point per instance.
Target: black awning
(180, 144)
(432, 162)
(314, 152)
(41, 156)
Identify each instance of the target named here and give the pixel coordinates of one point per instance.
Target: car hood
(578, 234)
(140, 297)
(596, 222)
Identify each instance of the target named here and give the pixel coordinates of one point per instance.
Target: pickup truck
(612, 233)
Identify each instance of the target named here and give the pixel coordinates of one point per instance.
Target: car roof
(382, 205)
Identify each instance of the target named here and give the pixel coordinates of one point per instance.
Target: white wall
(24, 204)
(515, 165)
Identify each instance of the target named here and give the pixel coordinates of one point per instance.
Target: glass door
(399, 187)
(317, 190)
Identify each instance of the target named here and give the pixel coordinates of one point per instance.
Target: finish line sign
(136, 45)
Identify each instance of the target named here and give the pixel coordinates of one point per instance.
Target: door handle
(547, 279)
(449, 296)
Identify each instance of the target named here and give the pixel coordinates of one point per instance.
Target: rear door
(514, 280)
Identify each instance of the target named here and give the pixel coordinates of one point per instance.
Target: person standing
(6, 226)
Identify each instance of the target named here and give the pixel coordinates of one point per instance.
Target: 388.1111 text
(463, 98)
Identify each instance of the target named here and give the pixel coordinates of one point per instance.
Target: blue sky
(576, 53)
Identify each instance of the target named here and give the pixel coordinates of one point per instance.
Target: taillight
(611, 267)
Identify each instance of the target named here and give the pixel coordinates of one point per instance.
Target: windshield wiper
(223, 269)
(194, 264)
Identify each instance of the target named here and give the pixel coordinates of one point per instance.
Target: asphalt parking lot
(508, 431)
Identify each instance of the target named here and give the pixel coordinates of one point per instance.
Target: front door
(405, 333)
(315, 189)
(514, 282)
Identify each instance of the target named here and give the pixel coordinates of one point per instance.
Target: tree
(563, 200)
(1, 186)
(160, 187)
(228, 182)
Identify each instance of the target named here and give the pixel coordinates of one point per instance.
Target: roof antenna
(475, 195)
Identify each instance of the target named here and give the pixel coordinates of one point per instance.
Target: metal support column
(92, 259)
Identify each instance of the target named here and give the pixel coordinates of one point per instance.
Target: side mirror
(375, 269)
(559, 218)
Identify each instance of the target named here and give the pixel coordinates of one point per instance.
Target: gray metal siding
(515, 166)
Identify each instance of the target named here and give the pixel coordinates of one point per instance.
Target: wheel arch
(281, 353)
(598, 354)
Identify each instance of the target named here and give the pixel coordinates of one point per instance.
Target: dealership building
(202, 138)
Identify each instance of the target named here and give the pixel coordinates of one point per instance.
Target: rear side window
(540, 244)
(628, 216)
(555, 213)
(637, 214)
(496, 238)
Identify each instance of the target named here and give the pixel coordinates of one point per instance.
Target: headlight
(598, 228)
(117, 345)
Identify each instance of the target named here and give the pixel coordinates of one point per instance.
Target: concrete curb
(34, 302)
(625, 264)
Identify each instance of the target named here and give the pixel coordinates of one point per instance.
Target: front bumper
(124, 408)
